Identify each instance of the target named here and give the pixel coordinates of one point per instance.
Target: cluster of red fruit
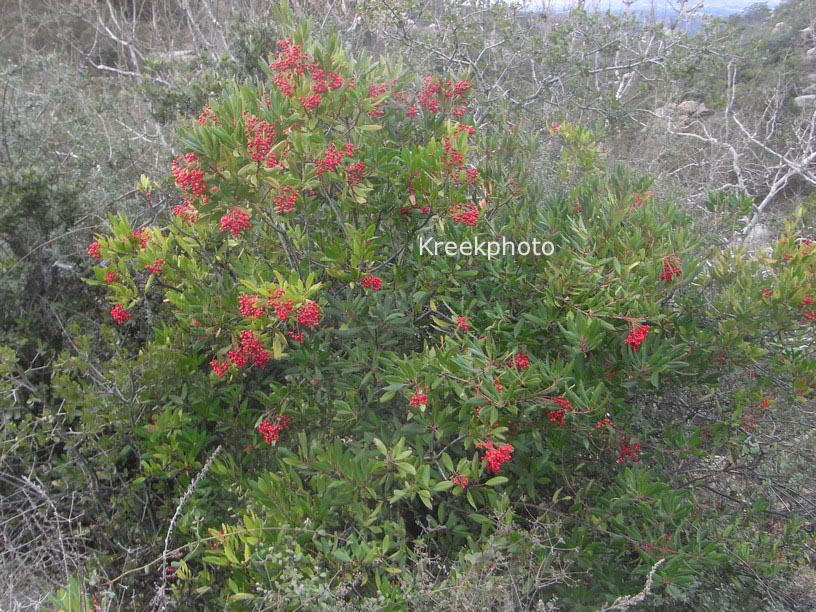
(520, 361)
(628, 451)
(636, 336)
(808, 313)
(466, 213)
(559, 416)
(249, 348)
(419, 398)
(285, 201)
(156, 267)
(271, 429)
(292, 62)
(371, 282)
(186, 211)
(332, 157)
(495, 456)
(120, 315)
(260, 137)
(189, 175)
(671, 268)
(248, 306)
(433, 94)
(235, 221)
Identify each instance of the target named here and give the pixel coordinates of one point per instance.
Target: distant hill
(662, 8)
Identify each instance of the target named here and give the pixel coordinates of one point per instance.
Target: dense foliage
(366, 344)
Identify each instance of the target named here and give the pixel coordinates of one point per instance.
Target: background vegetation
(673, 171)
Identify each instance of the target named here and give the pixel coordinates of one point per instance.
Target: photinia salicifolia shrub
(400, 340)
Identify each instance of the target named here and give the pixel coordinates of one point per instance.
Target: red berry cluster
(219, 368)
(453, 92)
(207, 115)
(354, 173)
(559, 416)
(520, 361)
(142, 237)
(808, 313)
(330, 160)
(311, 102)
(324, 80)
(186, 212)
(260, 136)
(95, 250)
(671, 268)
(189, 175)
(463, 323)
(248, 306)
(461, 480)
(271, 429)
(308, 315)
(371, 282)
(156, 267)
(291, 61)
(285, 201)
(235, 221)
(120, 315)
(110, 276)
(495, 456)
(377, 90)
(466, 213)
(249, 348)
(636, 336)
(283, 309)
(419, 398)
(603, 423)
(429, 96)
(628, 451)
(451, 158)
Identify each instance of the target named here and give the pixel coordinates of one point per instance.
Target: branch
(159, 600)
(625, 602)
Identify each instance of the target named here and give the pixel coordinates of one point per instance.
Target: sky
(661, 6)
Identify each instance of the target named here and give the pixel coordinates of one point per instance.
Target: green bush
(375, 403)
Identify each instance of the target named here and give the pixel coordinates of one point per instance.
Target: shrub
(378, 394)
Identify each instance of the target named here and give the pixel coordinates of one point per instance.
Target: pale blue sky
(661, 6)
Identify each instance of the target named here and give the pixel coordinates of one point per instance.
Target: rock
(778, 27)
(805, 101)
(810, 54)
(810, 89)
(664, 111)
(692, 108)
(759, 237)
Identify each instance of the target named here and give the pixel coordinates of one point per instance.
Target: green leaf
(406, 468)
